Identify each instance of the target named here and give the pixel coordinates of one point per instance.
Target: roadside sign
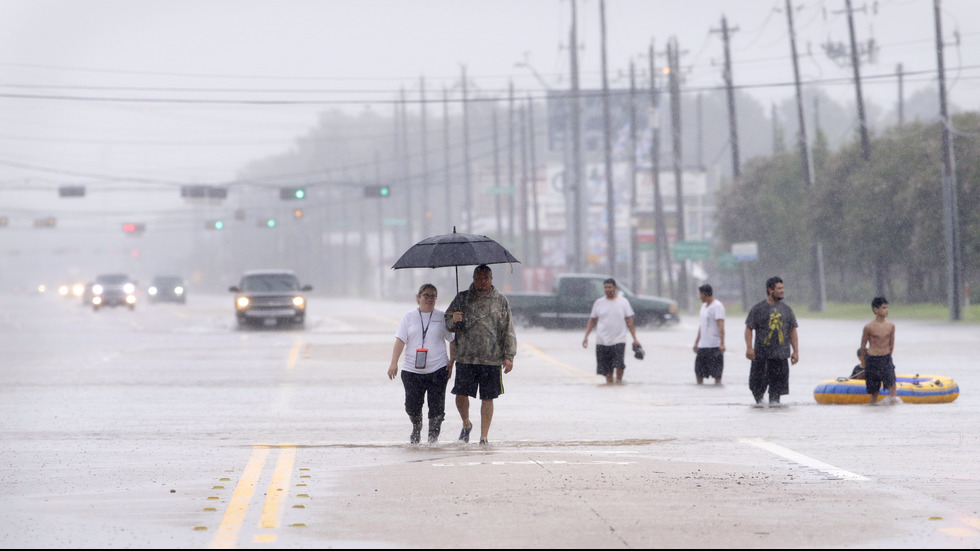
(745, 251)
(691, 250)
(726, 261)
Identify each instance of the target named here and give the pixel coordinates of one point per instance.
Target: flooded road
(170, 427)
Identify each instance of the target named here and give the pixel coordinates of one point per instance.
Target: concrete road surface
(170, 427)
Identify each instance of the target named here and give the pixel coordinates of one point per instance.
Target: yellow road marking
(293, 354)
(560, 366)
(231, 524)
(278, 488)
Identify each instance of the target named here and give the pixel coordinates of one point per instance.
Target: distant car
(167, 289)
(74, 290)
(113, 290)
(270, 296)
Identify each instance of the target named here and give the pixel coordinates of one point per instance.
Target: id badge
(420, 355)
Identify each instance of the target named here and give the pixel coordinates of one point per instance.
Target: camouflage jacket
(486, 335)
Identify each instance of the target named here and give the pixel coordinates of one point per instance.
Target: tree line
(879, 221)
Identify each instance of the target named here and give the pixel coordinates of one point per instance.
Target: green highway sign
(395, 221)
(691, 250)
(726, 261)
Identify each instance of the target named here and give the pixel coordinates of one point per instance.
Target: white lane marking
(804, 460)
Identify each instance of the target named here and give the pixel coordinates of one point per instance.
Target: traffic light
(292, 193)
(377, 191)
(133, 228)
(71, 191)
(214, 225)
(298, 213)
(48, 222)
(4, 221)
(267, 222)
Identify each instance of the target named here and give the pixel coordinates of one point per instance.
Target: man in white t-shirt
(612, 319)
(710, 343)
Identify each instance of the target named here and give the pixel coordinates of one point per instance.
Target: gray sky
(202, 73)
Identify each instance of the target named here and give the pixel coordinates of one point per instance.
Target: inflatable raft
(912, 389)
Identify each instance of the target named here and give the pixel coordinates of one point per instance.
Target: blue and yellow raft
(912, 389)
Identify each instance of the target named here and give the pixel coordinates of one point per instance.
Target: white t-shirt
(710, 314)
(611, 314)
(410, 332)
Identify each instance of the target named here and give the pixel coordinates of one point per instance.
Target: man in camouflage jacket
(485, 348)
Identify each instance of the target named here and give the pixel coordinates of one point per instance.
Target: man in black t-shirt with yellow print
(775, 344)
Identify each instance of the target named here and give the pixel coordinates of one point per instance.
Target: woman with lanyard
(426, 368)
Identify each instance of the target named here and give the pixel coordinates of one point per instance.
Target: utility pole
(522, 203)
(730, 92)
(951, 207)
(633, 221)
(900, 76)
(447, 164)
(856, 64)
(468, 203)
(423, 131)
(381, 227)
(660, 225)
(496, 173)
(510, 164)
(607, 143)
(407, 175)
(816, 252)
(534, 181)
(578, 253)
(675, 132)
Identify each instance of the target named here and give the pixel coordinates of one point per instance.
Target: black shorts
(609, 357)
(489, 379)
(879, 371)
(709, 362)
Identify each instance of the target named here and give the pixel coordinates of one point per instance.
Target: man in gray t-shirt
(774, 345)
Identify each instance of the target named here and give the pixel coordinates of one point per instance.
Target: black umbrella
(454, 249)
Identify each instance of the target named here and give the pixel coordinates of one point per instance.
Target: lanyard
(425, 328)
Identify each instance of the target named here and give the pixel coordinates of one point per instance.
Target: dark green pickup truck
(571, 302)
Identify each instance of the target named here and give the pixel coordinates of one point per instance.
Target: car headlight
(130, 299)
(299, 302)
(242, 302)
(96, 289)
(129, 288)
(178, 290)
(152, 290)
(78, 289)
(63, 290)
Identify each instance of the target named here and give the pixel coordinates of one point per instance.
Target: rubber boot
(416, 436)
(435, 426)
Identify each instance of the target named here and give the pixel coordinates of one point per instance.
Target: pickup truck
(571, 302)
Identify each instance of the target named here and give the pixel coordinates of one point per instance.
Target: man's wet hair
(772, 281)
(610, 281)
(706, 289)
(878, 302)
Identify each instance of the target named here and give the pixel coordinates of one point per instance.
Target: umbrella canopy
(454, 249)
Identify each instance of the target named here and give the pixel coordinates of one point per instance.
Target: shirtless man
(878, 340)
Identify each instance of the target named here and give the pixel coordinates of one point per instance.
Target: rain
(161, 151)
